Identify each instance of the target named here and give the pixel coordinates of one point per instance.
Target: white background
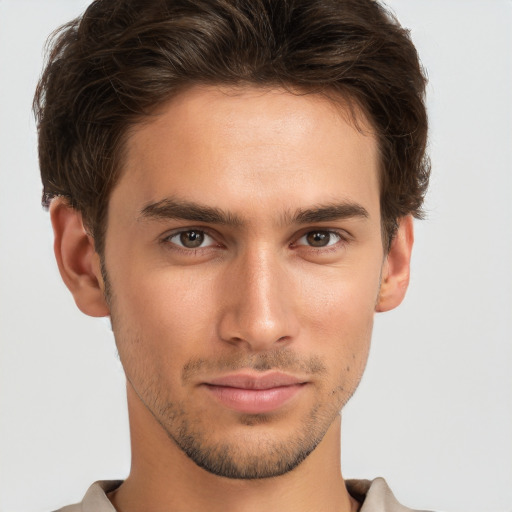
(433, 414)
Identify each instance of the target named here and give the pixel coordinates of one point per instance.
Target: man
(233, 183)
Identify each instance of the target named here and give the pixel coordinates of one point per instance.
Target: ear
(396, 267)
(77, 259)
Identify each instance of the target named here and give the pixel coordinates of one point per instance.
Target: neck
(163, 478)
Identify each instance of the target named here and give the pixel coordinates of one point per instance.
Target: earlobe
(77, 259)
(396, 268)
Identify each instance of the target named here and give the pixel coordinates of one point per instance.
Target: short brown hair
(114, 65)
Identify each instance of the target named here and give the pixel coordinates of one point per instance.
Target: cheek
(339, 311)
(163, 298)
(160, 319)
(341, 301)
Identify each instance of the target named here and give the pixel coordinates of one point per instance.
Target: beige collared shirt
(375, 495)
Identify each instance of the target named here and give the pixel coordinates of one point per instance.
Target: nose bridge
(259, 311)
(262, 283)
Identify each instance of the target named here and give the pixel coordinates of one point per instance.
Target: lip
(255, 394)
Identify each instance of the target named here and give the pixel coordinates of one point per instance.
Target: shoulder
(376, 496)
(95, 499)
(77, 507)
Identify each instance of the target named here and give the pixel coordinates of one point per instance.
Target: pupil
(318, 238)
(191, 239)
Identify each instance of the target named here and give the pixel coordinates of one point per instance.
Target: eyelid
(329, 244)
(166, 238)
(343, 237)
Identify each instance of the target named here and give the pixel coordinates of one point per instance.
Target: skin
(260, 293)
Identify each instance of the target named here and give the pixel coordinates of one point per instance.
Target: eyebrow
(328, 212)
(179, 209)
(171, 208)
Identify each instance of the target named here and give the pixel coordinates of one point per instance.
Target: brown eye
(318, 238)
(191, 239)
(188, 240)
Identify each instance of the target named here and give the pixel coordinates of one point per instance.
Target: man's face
(243, 254)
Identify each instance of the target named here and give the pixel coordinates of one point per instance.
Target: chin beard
(266, 457)
(229, 461)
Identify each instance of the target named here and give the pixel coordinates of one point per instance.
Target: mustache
(283, 360)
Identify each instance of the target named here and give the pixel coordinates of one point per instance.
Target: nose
(258, 299)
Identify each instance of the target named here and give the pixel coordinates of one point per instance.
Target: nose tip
(259, 313)
(258, 336)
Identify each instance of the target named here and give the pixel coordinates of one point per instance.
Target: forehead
(228, 147)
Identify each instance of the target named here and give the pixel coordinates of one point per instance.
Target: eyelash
(167, 241)
(330, 247)
(343, 238)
